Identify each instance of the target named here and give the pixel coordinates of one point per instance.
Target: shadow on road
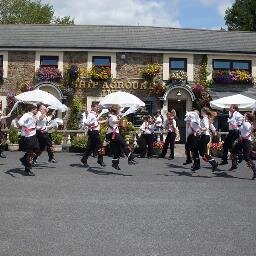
(178, 166)
(11, 172)
(99, 171)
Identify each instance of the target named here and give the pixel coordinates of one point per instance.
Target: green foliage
(203, 71)
(128, 132)
(79, 142)
(57, 137)
(29, 12)
(13, 135)
(241, 15)
(103, 131)
(75, 108)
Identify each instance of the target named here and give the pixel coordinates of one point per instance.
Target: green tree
(29, 12)
(242, 15)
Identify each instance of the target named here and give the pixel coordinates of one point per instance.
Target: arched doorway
(179, 98)
(52, 88)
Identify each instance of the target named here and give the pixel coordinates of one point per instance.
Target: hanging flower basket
(150, 71)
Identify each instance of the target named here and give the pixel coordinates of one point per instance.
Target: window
(178, 64)
(101, 61)
(232, 65)
(49, 61)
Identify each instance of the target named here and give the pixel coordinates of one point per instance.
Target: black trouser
(2, 140)
(203, 142)
(117, 145)
(45, 142)
(147, 145)
(228, 143)
(170, 139)
(188, 147)
(93, 145)
(195, 146)
(245, 147)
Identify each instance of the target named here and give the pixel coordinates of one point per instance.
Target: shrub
(57, 137)
(13, 135)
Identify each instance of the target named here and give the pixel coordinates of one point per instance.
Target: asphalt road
(153, 208)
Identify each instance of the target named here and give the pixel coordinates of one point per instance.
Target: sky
(202, 14)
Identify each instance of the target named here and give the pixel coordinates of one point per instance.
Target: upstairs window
(49, 61)
(101, 61)
(1, 61)
(178, 64)
(231, 65)
(1, 67)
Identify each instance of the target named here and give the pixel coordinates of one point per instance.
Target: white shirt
(147, 128)
(193, 128)
(92, 122)
(246, 130)
(235, 120)
(28, 124)
(159, 121)
(42, 123)
(205, 124)
(170, 126)
(112, 125)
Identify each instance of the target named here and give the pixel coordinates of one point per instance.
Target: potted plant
(57, 138)
(216, 149)
(13, 145)
(158, 147)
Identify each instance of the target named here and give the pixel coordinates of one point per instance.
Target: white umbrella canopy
(243, 102)
(39, 96)
(123, 99)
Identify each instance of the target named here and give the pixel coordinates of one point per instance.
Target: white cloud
(118, 12)
(220, 5)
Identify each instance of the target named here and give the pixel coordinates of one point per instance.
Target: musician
(94, 143)
(117, 142)
(234, 122)
(29, 143)
(147, 137)
(244, 144)
(171, 128)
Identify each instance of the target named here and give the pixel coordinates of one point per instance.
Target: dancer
(29, 142)
(192, 118)
(244, 144)
(42, 133)
(94, 143)
(171, 128)
(2, 137)
(234, 121)
(190, 139)
(206, 124)
(147, 137)
(117, 142)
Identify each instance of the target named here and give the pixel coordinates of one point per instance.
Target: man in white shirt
(29, 142)
(234, 121)
(94, 143)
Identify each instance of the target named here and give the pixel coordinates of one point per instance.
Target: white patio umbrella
(123, 99)
(39, 96)
(243, 102)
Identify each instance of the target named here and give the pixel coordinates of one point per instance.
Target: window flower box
(99, 73)
(48, 73)
(178, 76)
(232, 77)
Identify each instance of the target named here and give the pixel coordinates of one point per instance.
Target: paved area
(153, 208)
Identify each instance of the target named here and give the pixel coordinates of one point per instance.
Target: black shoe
(84, 162)
(170, 158)
(2, 155)
(101, 163)
(187, 162)
(52, 160)
(254, 176)
(214, 166)
(223, 162)
(116, 166)
(150, 156)
(132, 162)
(131, 157)
(29, 172)
(161, 156)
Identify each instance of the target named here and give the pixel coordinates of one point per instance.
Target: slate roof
(126, 38)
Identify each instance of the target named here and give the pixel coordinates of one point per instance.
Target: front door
(180, 108)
